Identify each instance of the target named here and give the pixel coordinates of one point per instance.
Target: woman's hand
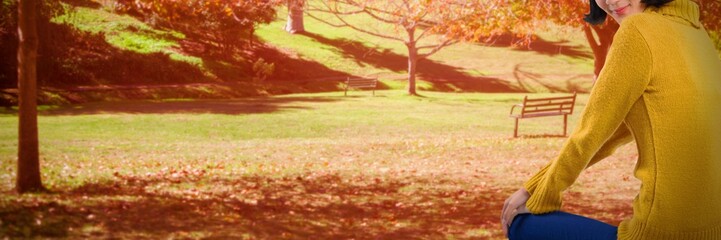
(514, 205)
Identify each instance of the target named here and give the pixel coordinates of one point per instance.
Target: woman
(661, 86)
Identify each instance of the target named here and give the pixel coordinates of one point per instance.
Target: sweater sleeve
(621, 83)
(621, 137)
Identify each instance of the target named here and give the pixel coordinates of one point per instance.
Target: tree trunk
(412, 66)
(601, 46)
(295, 17)
(412, 60)
(28, 177)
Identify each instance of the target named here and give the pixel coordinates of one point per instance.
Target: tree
(295, 16)
(424, 27)
(571, 12)
(600, 43)
(28, 177)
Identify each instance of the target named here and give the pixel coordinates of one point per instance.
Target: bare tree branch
(344, 23)
(329, 9)
(324, 21)
(332, 12)
(369, 32)
(365, 9)
(436, 48)
(424, 33)
(379, 18)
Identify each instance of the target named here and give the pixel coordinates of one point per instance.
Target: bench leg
(565, 123)
(515, 130)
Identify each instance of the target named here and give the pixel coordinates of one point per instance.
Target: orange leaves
(174, 175)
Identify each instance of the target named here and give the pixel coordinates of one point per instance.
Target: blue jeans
(558, 226)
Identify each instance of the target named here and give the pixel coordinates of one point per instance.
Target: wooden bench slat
(546, 110)
(547, 99)
(549, 108)
(549, 104)
(361, 86)
(533, 115)
(545, 107)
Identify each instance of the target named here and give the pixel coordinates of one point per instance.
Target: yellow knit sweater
(661, 86)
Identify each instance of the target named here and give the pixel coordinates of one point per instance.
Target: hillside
(551, 64)
(100, 55)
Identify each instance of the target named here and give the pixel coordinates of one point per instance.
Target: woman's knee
(559, 225)
(516, 230)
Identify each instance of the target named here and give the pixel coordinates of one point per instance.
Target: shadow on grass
(326, 206)
(81, 58)
(290, 75)
(541, 46)
(442, 77)
(318, 206)
(362, 55)
(228, 107)
(533, 82)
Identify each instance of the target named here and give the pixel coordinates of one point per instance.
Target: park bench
(361, 83)
(544, 107)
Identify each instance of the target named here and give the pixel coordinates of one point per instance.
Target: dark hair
(598, 16)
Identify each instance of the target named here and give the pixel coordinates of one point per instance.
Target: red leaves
(173, 175)
(710, 14)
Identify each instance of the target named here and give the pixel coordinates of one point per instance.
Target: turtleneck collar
(682, 9)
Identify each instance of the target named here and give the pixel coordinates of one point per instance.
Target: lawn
(293, 167)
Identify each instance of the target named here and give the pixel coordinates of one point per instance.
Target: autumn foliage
(226, 21)
(711, 18)
(570, 13)
(710, 14)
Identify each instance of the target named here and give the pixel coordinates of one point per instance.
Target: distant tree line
(9, 39)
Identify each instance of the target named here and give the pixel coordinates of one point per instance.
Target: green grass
(323, 165)
(124, 32)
